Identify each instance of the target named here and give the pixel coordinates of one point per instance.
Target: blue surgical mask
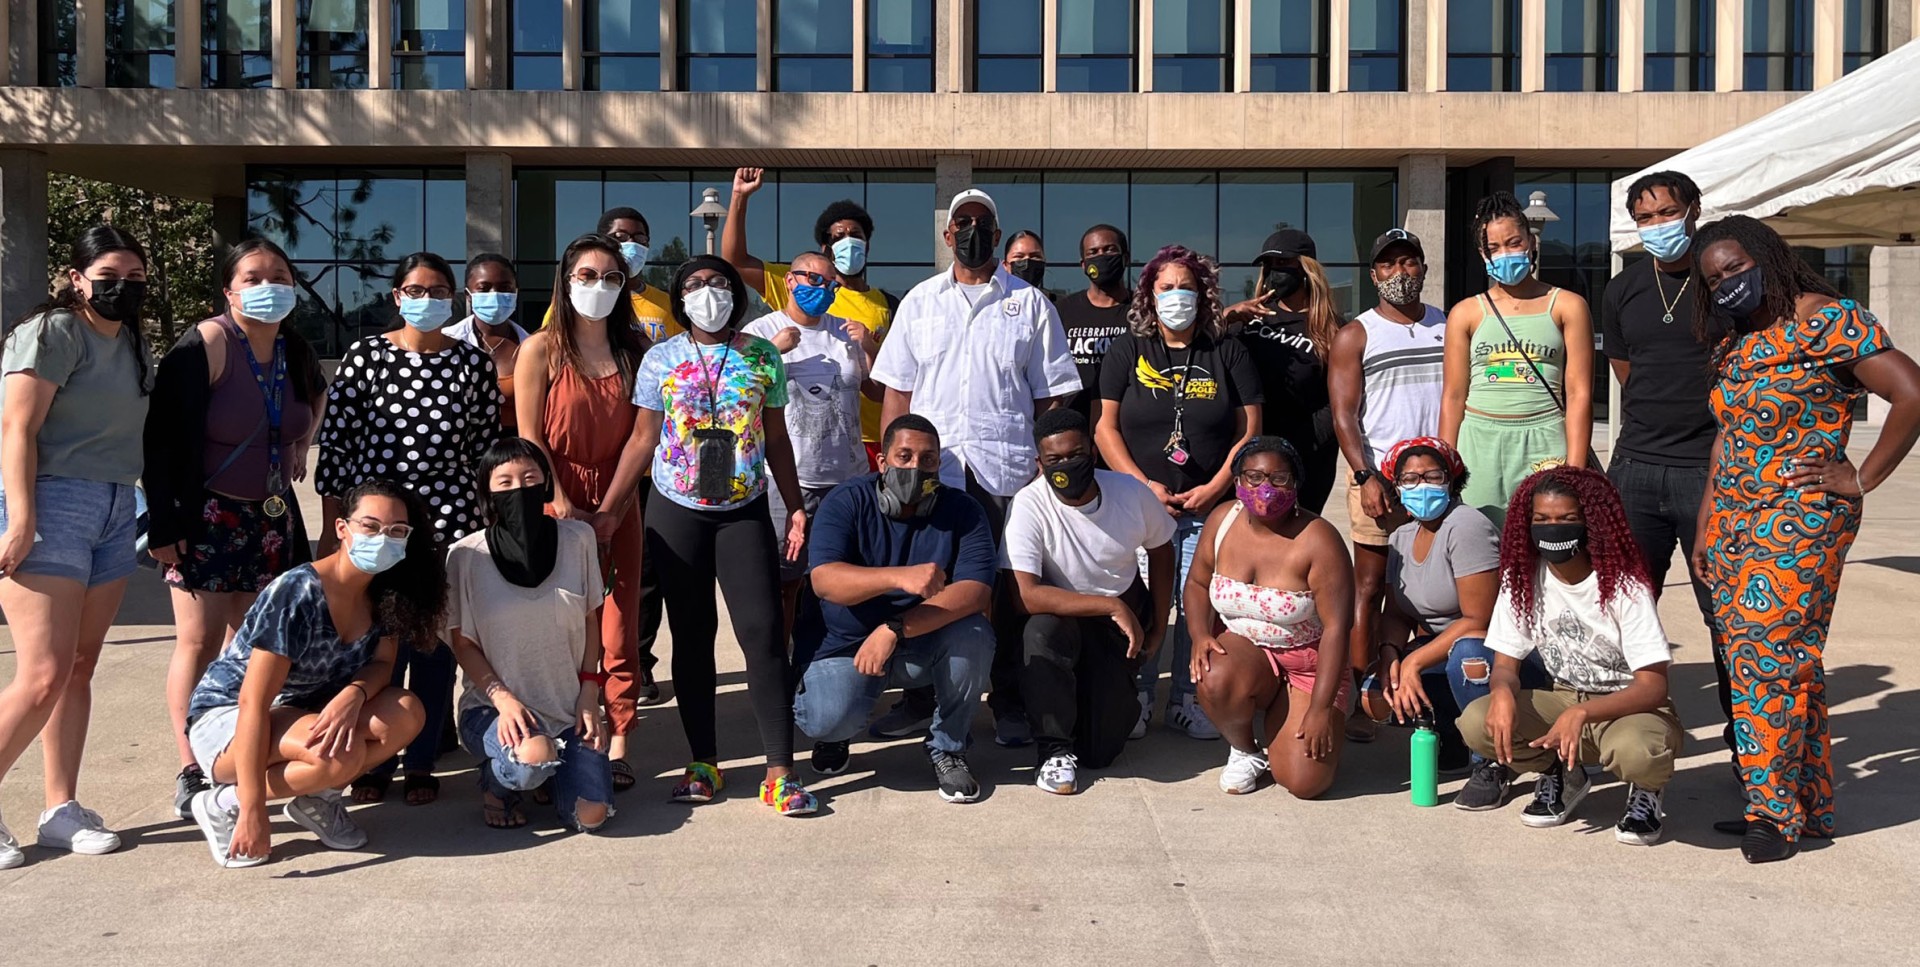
(493, 308)
(850, 255)
(1426, 501)
(1668, 240)
(426, 315)
(635, 254)
(1511, 268)
(814, 300)
(376, 553)
(268, 302)
(1177, 308)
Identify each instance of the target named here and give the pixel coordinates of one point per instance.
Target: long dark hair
(303, 366)
(407, 265)
(623, 335)
(1616, 558)
(91, 246)
(1143, 314)
(504, 451)
(410, 598)
(1784, 278)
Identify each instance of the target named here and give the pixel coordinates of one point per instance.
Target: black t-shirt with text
(1208, 380)
(1664, 417)
(1090, 330)
(1293, 379)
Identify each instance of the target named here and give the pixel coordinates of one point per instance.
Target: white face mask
(594, 301)
(709, 308)
(1177, 308)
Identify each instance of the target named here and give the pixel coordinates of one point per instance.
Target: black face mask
(1106, 271)
(1740, 295)
(1282, 283)
(118, 300)
(1071, 478)
(1030, 271)
(1558, 543)
(907, 491)
(973, 245)
(522, 539)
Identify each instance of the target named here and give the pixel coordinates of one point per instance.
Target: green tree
(176, 232)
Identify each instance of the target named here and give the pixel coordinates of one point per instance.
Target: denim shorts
(84, 530)
(211, 732)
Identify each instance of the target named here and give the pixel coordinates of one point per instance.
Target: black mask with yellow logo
(1071, 478)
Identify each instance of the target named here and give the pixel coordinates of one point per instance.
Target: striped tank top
(1503, 385)
(1401, 376)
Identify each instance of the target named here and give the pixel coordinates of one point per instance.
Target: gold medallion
(274, 506)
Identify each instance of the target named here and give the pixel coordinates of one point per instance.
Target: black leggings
(687, 547)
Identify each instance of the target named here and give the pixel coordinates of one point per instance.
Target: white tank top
(1401, 376)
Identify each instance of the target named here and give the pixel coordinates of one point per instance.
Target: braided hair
(1616, 558)
(1493, 208)
(1784, 278)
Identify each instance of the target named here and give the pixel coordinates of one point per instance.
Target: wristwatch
(1361, 476)
(899, 628)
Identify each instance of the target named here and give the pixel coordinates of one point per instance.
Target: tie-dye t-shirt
(741, 379)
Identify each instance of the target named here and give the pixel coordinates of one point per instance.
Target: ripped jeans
(580, 774)
(1468, 675)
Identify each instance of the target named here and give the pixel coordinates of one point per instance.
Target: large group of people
(969, 488)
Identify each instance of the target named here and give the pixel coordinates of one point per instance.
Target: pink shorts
(1299, 667)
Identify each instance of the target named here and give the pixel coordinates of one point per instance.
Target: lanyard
(1179, 388)
(273, 396)
(713, 380)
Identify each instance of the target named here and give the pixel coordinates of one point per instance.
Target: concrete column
(669, 45)
(22, 44)
(1893, 293)
(489, 202)
(186, 44)
(1436, 45)
(6, 44)
(479, 63)
(763, 47)
(952, 174)
(1423, 211)
(1828, 30)
(1633, 45)
(380, 33)
(1729, 44)
(1415, 44)
(952, 39)
(860, 46)
(23, 230)
(1533, 45)
(1049, 48)
(1143, 48)
(90, 42)
(1339, 39)
(573, 66)
(1242, 45)
(1900, 20)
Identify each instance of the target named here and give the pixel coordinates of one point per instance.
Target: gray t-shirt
(93, 427)
(1466, 543)
(533, 637)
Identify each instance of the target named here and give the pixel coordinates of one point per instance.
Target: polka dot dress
(423, 419)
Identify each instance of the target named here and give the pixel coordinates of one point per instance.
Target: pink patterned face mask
(1266, 501)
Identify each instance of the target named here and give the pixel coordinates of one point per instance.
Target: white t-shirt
(534, 638)
(1583, 645)
(1088, 549)
(824, 373)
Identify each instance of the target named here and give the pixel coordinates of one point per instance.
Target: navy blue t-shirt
(850, 529)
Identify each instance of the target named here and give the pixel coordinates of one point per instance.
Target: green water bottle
(1425, 756)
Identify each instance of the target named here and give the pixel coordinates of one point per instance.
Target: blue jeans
(84, 530)
(580, 774)
(1454, 686)
(956, 660)
(1186, 536)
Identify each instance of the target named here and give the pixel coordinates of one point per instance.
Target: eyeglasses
(627, 237)
(695, 284)
(961, 223)
(426, 292)
(814, 278)
(370, 526)
(1440, 477)
(590, 277)
(1255, 478)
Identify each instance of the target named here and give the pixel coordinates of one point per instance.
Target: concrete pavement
(1150, 865)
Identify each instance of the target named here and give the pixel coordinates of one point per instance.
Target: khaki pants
(1638, 748)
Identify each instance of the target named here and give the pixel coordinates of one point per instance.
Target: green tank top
(1503, 384)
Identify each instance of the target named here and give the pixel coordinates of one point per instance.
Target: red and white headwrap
(1455, 465)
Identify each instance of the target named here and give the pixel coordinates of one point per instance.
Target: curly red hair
(1616, 558)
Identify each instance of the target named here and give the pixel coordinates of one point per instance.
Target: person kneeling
(889, 613)
(1073, 538)
(531, 706)
(299, 702)
(1574, 589)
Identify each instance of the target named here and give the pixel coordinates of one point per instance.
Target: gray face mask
(1402, 290)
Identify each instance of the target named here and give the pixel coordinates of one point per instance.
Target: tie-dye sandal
(788, 797)
(701, 783)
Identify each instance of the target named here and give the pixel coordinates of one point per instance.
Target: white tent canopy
(1840, 166)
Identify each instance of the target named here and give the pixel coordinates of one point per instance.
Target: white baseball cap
(973, 195)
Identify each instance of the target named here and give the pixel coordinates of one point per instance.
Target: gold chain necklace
(1662, 287)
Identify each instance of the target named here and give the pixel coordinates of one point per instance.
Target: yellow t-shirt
(653, 310)
(868, 308)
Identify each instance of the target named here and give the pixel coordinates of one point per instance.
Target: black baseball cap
(1289, 242)
(1396, 236)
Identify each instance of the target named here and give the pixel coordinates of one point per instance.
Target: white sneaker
(218, 825)
(70, 826)
(10, 854)
(1190, 716)
(1243, 771)
(1146, 712)
(324, 814)
(1059, 775)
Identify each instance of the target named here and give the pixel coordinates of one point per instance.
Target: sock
(226, 797)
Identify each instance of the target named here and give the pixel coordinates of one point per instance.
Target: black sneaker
(649, 691)
(190, 782)
(830, 758)
(1641, 824)
(956, 780)
(1764, 843)
(1486, 788)
(1555, 796)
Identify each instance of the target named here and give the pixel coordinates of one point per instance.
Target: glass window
(1007, 36)
(1375, 43)
(1679, 55)
(1483, 45)
(1582, 45)
(139, 43)
(719, 45)
(621, 44)
(430, 45)
(58, 60)
(813, 45)
(332, 44)
(1096, 46)
(900, 46)
(236, 43)
(1174, 208)
(1289, 45)
(535, 29)
(1779, 45)
(1192, 45)
(1864, 33)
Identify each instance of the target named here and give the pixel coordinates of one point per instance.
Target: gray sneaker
(1487, 789)
(325, 815)
(218, 825)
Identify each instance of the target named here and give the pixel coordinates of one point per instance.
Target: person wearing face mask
(530, 709)
(712, 424)
(77, 378)
(1073, 536)
(652, 307)
(1178, 398)
(1518, 385)
(1097, 315)
(493, 293)
(1270, 584)
(1783, 503)
(902, 574)
(1026, 259)
(980, 354)
(576, 404)
(415, 406)
(1575, 593)
(302, 699)
(235, 407)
